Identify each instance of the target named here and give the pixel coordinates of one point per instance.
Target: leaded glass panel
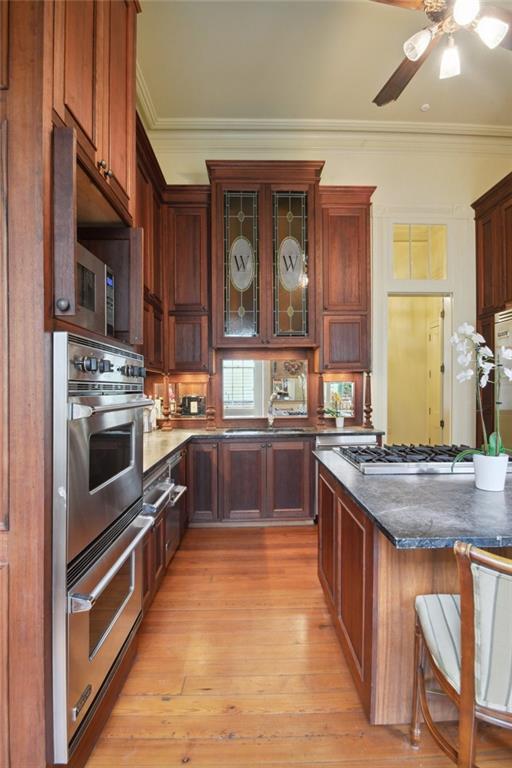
(290, 280)
(241, 269)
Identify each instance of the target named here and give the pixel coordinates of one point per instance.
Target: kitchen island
(382, 541)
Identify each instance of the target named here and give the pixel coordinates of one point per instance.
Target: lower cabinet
(153, 560)
(261, 480)
(202, 482)
(345, 566)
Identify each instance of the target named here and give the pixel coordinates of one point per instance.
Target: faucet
(270, 412)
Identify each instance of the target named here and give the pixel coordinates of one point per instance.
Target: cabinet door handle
(62, 304)
(109, 173)
(102, 164)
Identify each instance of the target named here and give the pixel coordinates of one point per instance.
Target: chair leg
(415, 730)
(467, 736)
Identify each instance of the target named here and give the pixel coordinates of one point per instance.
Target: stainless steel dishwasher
(162, 495)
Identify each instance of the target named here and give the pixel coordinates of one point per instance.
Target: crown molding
(278, 125)
(145, 105)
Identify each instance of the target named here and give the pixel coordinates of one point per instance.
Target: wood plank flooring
(239, 667)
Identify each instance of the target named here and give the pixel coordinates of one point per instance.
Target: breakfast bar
(382, 541)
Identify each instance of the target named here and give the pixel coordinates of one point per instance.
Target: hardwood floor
(239, 666)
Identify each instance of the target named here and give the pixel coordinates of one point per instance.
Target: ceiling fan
(493, 26)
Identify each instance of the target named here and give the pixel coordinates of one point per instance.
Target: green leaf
(495, 444)
(463, 454)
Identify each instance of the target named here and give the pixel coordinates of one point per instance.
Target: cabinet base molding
(253, 524)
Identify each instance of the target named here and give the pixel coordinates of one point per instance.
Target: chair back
(486, 629)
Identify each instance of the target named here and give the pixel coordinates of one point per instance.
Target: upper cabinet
(94, 90)
(493, 215)
(346, 278)
(264, 252)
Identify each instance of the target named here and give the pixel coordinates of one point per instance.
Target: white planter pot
(490, 471)
(340, 421)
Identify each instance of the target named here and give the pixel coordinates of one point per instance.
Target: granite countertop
(427, 511)
(158, 445)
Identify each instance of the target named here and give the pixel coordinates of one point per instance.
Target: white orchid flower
(465, 329)
(506, 353)
(455, 339)
(485, 352)
(467, 374)
(477, 338)
(462, 346)
(486, 368)
(464, 359)
(484, 380)
(508, 373)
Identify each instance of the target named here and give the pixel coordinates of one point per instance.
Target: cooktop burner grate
(406, 459)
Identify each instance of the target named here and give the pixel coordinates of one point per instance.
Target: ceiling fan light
(465, 11)
(416, 45)
(450, 62)
(491, 30)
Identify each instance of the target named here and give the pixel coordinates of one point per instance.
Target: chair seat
(439, 616)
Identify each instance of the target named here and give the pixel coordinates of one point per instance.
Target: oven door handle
(79, 411)
(179, 491)
(79, 603)
(154, 509)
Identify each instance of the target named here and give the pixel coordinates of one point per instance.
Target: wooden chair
(467, 640)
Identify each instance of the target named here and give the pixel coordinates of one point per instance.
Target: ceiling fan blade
(402, 76)
(505, 15)
(414, 5)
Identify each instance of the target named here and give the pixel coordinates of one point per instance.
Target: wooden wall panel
(4, 505)
(4, 44)
(4, 674)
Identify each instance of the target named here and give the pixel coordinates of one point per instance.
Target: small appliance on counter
(193, 405)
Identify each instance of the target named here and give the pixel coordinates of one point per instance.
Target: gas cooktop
(406, 459)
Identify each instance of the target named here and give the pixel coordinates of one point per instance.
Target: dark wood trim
(4, 332)
(187, 194)
(493, 196)
(64, 220)
(4, 44)
(146, 156)
(266, 171)
(331, 196)
(4, 669)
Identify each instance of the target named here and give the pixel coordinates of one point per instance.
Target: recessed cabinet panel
(290, 248)
(490, 263)
(506, 219)
(188, 341)
(243, 480)
(241, 267)
(202, 482)
(345, 259)
(345, 342)
(188, 235)
(327, 549)
(288, 481)
(350, 605)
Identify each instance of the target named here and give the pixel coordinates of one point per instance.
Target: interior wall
(419, 178)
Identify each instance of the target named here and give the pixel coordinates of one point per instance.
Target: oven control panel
(91, 361)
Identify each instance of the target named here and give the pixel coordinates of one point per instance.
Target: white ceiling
(307, 60)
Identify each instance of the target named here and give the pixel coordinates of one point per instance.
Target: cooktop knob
(141, 371)
(127, 370)
(87, 364)
(106, 366)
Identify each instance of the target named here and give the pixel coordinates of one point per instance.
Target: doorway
(417, 404)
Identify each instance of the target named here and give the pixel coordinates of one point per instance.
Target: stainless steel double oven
(98, 524)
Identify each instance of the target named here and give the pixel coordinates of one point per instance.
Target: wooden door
(327, 542)
(345, 342)
(345, 259)
(188, 251)
(153, 336)
(490, 264)
(145, 219)
(188, 343)
(120, 99)
(78, 81)
(435, 373)
(202, 482)
(243, 480)
(354, 601)
(289, 480)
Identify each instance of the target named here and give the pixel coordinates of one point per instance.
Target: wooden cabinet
(345, 568)
(187, 277)
(94, 89)
(346, 284)
(202, 482)
(264, 252)
(261, 480)
(242, 480)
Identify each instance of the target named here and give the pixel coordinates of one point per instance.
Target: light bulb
(416, 45)
(465, 11)
(450, 63)
(491, 31)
